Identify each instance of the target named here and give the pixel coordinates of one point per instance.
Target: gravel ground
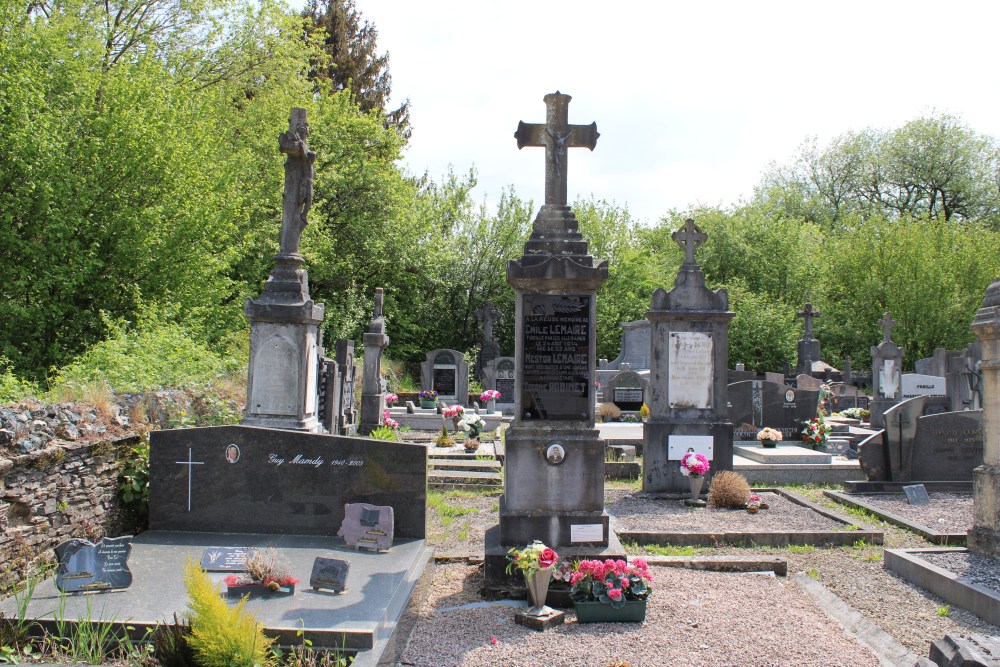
(910, 615)
(977, 569)
(946, 513)
(632, 510)
(693, 618)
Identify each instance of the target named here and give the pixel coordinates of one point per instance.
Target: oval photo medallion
(789, 396)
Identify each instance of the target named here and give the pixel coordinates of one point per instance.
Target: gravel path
(693, 618)
(631, 510)
(946, 513)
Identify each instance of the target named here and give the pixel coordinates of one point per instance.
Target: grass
(800, 548)
(944, 610)
(813, 573)
(447, 513)
(658, 550)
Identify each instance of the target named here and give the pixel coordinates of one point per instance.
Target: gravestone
(489, 349)
(922, 442)
(447, 373)
(915, 384)
(329, 395)
(634, 347)
(282, 482)
(500, 377)
(88, 567)
(285, 349)
(964, 377)
(916, 494)
(887, 362)
(739, 375)
(984, 536)
(803, 381)
(372, 383)
(808, 345)
(688, 393)
(329, 574)
(347, 414)
(554, 465)
(627, 389)
(844, 396)
(367, 526)
(776, 378)
(756, 404)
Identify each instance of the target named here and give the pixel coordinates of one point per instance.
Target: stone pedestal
(688, 375)
(984, 538)
(283, 378)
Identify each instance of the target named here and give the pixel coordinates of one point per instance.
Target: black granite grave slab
(758, 403)
(359, 619)
(947, 446)
(85, 566)
(280, 482)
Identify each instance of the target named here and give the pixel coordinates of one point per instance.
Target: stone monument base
(984, 537)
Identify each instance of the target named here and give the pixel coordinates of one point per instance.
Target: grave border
(929, 534)
(780, 538)
(981, 601)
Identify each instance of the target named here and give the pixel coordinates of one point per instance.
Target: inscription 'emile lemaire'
(556, 356)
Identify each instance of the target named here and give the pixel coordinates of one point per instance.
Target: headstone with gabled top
(887, 362)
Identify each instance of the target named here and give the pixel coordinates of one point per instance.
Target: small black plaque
(506, 388)
(329, 574)
(916, 494)
(88, 567)
(444, 381)
(225, 559)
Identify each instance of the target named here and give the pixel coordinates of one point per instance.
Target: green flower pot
(634, 611)
(428, 404)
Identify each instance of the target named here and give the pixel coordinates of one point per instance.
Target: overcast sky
(692, 99)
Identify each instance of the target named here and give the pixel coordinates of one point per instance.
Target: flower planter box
(430, 405)
(634, 611)
(258, 590)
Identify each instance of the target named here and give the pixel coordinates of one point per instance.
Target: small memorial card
(367, 526)
(916, 494)
(225, 559)
(329, 574)
(87, 567)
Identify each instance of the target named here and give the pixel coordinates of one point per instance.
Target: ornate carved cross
(488, 315)
(556, 135)
(887, 324)
(689, 238)
(808, 313)
(298, 194)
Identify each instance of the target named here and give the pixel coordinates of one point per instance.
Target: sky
(693, 99)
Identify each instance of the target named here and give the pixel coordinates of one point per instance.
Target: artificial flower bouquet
(489, 395)
(613, 582)
(391, 399)
(472, 424)
(815, 432)
(427, 395)
(769, 434)
(694, 464)
(388, 421)
(534, 557)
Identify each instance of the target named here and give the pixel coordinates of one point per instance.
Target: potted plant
(473, 425)
(266, 573)
(610, 591)
(537, 563)
(753, 504)
(694, 466)
(427, 398)
(769, 437)
(815, 432)
(489, 397)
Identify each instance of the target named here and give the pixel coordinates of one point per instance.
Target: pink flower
(639, 563)
(576, 577)
(493, 640)
(547, 558)
(391, 399)
(614, 594)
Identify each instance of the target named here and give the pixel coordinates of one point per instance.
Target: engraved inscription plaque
(689, 384)
(557, 364)
(445, 380)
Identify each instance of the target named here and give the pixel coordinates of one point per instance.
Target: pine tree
(351, 42)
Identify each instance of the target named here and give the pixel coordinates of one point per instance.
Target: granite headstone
(87, 567)
(756, 404)
(329, 574)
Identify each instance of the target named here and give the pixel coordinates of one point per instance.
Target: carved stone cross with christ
(887, 324)
(808, 313)
(556, 135)
(689, 238)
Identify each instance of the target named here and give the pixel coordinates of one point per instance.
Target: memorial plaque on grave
(86, 567)
(689, 365)
(916, 494)
(756, 404)
(506, 388)
(444, 381)
(225, 559)
(329, 574)
(947, 446)
(367, 526)
(557, 359)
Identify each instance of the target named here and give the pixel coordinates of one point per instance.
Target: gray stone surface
(282, 483)
(756, 404)
(634, 347)
(347, 415)
(499, 375)
(627, 389)
(959, 651)
(329, 574)
(808, 345)
(372, 384)
(915, 384)
(887, 368)
(447, 373)
(489, 349)
(984, 538)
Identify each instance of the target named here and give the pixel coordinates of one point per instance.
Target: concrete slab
(359, 619)
(782, 454)
(838, 471)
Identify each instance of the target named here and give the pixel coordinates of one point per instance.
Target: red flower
(547, 558)
(614, 594)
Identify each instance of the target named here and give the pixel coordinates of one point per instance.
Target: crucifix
(190, 462)
(808, 313)
(298, 194)
(488, 314)
(556, 135)
(887, 324)
(689, 238)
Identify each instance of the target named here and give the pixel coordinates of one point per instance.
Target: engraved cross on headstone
(689, 238)
(887, 324)
(808, 313)
(556, 135)
(189, 463)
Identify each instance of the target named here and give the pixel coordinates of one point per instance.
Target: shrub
(728, 489)
(170, 644)
(609, 411)
(13, 388)
(222, 636)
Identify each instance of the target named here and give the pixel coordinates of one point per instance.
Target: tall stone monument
(984, 537)
(489, 349)
(554, 467)
(372, 385)
(689, 354)
(285, 342)
(887, 373)
(808, 344)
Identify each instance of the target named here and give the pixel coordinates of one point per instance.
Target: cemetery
(352, 463)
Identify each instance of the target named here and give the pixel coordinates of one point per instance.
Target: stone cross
(808, 313)
(689, 238)
(556, 135)
(377, 324)
(488, 314)
(298, 194)
(189, 463)
(887, 324)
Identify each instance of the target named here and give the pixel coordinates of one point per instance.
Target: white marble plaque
(915, 384)
(678, 445)
(586, 532)
(889, 378)
(689, 384)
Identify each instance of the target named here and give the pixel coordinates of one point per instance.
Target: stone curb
(931, 535)
(722, 564)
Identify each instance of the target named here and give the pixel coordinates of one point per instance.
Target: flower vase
(538, 589)
(696, 481)
(769, 444)
(491, 407)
